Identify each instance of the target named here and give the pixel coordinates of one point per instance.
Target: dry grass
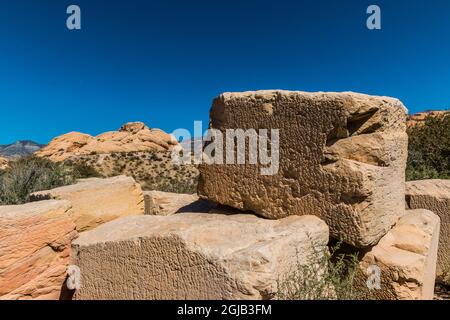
(332, 277)
(153, 170)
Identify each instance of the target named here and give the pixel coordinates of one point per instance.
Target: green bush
(332, 277)
(31, 174)
(429, 150)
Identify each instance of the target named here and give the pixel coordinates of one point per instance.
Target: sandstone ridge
(131, 137)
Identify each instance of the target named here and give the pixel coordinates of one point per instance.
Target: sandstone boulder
(34, 249)
(167, 203)
(434, 195)
(406, 258)
(193, 256)
(3, 163)
(96, 201)
(342, 156)
(131, 137)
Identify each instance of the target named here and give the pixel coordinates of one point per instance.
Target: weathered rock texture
(96, 201)
(434, 195)
(342, 157)
(3, 163)
(131, 137)
(193, 256)
(34, 249)
(406, 257)
(166, 203)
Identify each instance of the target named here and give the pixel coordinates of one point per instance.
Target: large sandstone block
(434, 195)
(406, 257)
(34, 249)
(342, 156)
(166, 203)
(194, 256)
(96, 201)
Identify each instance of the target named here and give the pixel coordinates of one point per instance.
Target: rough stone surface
(342, 157)
(406, 257)
(34, 249)
(193, 256)
(434, 195)
(96, 201)
(3, 163)
(166, 203)
(131, 137)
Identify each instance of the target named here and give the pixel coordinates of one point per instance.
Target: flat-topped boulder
(342, 157)
(96, 201)
(167, 203)
(405, 258)
(194, 256)
(35, 249)
(434, 195)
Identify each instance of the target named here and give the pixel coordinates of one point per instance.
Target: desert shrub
(30, 174)
(446, 277)
(81, 171)
(332, 277)
(429, 150)
(180, 184)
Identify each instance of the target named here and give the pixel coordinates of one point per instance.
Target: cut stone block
(165, 203)
(194, 256)
(434, 195)
(406, 258)
(342, 157)
(34, 249)
(96, 201)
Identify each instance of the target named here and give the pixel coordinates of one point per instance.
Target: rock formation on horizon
(418, 119)
(19, 149)
(133, 136)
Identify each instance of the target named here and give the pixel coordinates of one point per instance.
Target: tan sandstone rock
(167, 203)
(131, 137)
(434, 195)
(342, 156)
(193, 256)
(34, 249)
(406, 258)
(3, 163)
(96, 201)
(419, 119)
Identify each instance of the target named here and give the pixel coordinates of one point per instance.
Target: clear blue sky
(162, 62)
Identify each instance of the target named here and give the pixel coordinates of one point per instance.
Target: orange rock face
(134, 136)
(35, 249)
(418, 119)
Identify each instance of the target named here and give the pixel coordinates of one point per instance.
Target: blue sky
(162, 62)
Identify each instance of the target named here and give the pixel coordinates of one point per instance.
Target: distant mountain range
(19, 148)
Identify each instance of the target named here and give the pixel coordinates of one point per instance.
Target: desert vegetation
(332, 277)
(429, 149)
(153, 170)
(29, 174)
